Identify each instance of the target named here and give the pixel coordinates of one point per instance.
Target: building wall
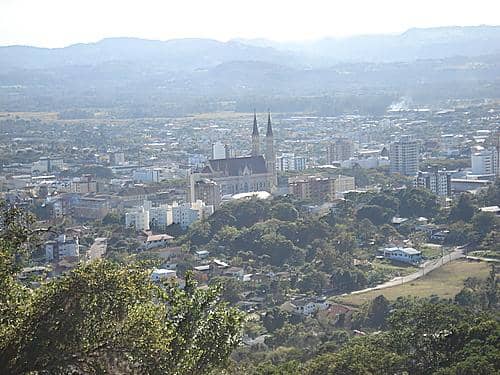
(485, 161)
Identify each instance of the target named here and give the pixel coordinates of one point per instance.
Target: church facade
(230, 176)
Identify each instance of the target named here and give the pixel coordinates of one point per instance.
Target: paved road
(425, 268)
(489, 260)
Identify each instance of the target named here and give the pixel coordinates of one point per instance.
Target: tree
(111, 218)
(199, 233)
(385, 200)
(377, 312)
(284, 212)
(463, 210)
(314, 281)
(484, 222)
(346, 280)
(106, 318)
(460, 234)
(492, 288)
(417, 202)
(376, 214)
(230, 288)
(274, 319)
(362, 356)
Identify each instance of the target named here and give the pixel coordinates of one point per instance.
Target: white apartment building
(218, 150)
(439, 182)
(138, 219)
(485, 161)
(62, 247)
(341, 184)
(186, 214)
(147, 175)
(160, 217)
(289, 162)
(403, 156)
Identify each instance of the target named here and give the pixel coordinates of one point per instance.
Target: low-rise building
(400, 254)
(309, 306)
(62, 247)
(84, 185)
(157, 241)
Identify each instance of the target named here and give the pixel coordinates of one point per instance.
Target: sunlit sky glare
(57, 23)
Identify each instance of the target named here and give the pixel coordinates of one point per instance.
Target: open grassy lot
(432, 251)
(43, 116)
(393, 268)
(444, 282)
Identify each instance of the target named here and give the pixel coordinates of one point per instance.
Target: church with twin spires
(229, 176)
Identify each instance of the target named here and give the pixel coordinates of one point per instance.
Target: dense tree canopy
(107, 318)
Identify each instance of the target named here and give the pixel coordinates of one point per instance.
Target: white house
(406, 255)
(160, 274)
(157, 240)
(308, 307)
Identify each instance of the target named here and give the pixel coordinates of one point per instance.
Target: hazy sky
(56, 23)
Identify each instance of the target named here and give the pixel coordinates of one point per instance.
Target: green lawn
(444, 282)
(432, 251)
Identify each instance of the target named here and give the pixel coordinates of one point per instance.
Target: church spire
(255, 128)
(270, 153)
(269, 132)
(255, 136)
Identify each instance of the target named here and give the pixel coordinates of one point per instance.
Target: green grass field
(444, 282)
(43, 116)
(432, 251)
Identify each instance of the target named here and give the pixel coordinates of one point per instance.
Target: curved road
(425, 268)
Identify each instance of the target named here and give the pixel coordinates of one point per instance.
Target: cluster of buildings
(148, 217)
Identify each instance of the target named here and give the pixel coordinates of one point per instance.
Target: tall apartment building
(320, 189)
(186, 214)
(340, 149)
(205, 190)
(289, 162)
(403, 156)
(485, 161)
(219, 150)
(439, 182)
(138, 219)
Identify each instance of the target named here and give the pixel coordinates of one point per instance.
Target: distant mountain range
(136, 77)
(414, 44)
(189, 54)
